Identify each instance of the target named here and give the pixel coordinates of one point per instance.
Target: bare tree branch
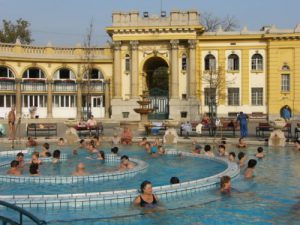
(212, 22)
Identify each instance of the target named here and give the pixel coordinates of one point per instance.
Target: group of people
(155, 148)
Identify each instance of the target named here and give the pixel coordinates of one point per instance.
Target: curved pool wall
(140, 167)
(80, 200)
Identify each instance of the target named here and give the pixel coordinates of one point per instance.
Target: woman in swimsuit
(146, 199)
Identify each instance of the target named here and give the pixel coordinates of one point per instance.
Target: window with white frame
(7, 101)
(34, 73)
(127, 63)
(257, 62)
(64, 74)
(6, 72)
(39, 101)
(64, 101)
(233, 62)
(183, 62)
(95, 75)
(210, 62)
(233, 96)
(257, 95)
(209, 95)
(285, 82)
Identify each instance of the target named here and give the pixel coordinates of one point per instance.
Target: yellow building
(182, 67)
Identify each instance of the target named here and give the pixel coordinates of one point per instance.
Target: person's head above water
(146, 187)
(252, 163)
(174, 180)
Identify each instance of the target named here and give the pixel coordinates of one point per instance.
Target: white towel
(199, 128)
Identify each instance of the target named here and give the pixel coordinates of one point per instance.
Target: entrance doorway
(157, 82)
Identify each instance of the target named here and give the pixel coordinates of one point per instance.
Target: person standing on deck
(12, 123)
(243, 120)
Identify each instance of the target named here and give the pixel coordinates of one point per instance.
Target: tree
(215, 83)
(212, 22)
(10, 32)
(88, 67)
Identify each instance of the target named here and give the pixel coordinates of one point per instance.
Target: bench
(262, 128)
(225, 126)
(156, 126)
(85, 129)
(42, 129)
(297, 130)
(266, 127)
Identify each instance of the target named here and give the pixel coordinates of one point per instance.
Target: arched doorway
(157, 83)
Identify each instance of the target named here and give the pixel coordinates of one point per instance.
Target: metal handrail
(22, 213)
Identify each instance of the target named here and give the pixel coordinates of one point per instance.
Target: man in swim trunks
(11, 123)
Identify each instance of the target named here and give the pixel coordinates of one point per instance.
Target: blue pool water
(272, 197)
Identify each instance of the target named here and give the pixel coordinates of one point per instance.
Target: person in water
(225, 185)
(242, 159)
(14, 168)
(56, 156)
(249, 173)
(260, 153)
(146, 199)
(242, 143)
(80, 170)
(125, 164)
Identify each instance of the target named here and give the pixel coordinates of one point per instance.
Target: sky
(65, 22)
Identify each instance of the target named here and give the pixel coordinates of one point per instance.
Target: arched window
(127, 63)
(257, 62)
(233, 62)
(95, 75)
(210, 62)
(34, 73)
(183, 62)
(5, 72)
(64, 74)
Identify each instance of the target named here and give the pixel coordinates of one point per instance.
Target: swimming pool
(271, 198)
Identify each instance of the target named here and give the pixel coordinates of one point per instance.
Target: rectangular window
(56, 101)
(209, 95)
(73, 101)
(257, 96)
(285, 82)
(233, 96)
(1, 100)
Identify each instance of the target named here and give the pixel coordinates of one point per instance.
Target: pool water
(272, 197)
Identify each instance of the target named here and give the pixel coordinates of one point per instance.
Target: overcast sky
(65, 22)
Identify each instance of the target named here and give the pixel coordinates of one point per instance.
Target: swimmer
(35, 158)
(154, 151)
(101, 155)
(80, 170)
(125, 163)
(146, 199)
(174, 180)
(225, 185)
(45, 149)
(56, 156)
(249, 173)
(34, 169)
(82, 145)
(156, 142)
(161, 150)
(14, 168)
(30, 142)
(242, 143)
(61, 142)
(114, 151)
(143, 142)
(92, 148)
(260, 153)
(222, 151)
(208, 152)
(197, 149)
(242, 159)
(20, 159)
(231, 157)
(148, 147)
(97, 140)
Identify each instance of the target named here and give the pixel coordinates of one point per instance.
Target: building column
(174, 69)
(79, 99)
(134, 69)
(18, 98)
(107, 99)
(192, 69)
(117, 70)
(49, 101)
